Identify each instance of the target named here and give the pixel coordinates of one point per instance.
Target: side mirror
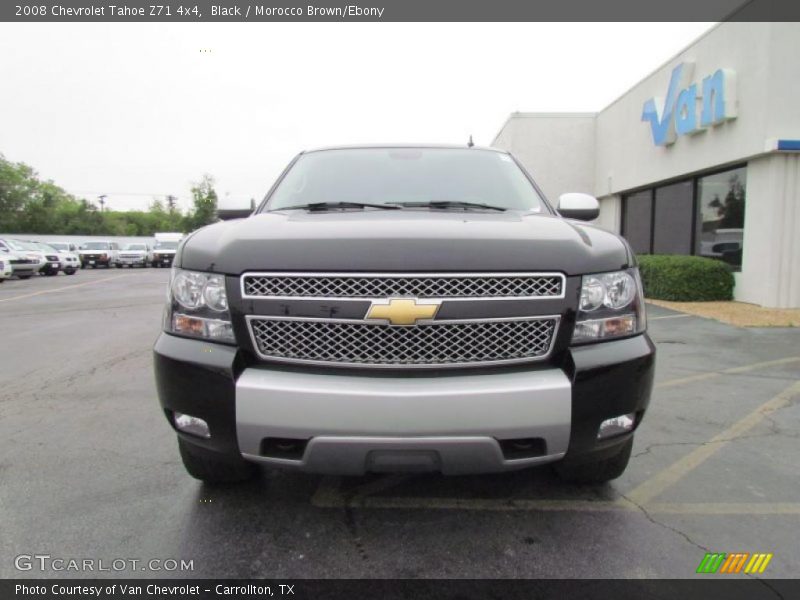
(226, 214)
(575, 205)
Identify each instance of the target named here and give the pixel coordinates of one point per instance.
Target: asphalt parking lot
(90, 469)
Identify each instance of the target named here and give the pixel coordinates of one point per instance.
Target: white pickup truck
(165, 248)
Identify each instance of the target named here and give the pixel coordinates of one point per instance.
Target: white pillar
(771, 255)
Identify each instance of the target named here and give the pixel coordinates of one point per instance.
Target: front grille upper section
(448, 343)
(276, 285)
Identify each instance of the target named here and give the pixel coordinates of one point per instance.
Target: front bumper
(130, 260)
(454, 422)
(95, 260)
(163, 259)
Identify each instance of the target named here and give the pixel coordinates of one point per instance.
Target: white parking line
(680, 316)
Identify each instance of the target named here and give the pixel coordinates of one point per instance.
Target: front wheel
(24, 276)
(599, 471)
(210, 469)
(69, 271)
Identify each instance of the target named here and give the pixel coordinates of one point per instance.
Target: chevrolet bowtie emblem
(403, 311)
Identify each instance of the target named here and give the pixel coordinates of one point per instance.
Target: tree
(204, 199)
(731, 211)
(31, 205)
(17, 185)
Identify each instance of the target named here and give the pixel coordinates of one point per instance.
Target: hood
(403, 241)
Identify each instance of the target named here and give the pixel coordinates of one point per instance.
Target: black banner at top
(396, 10)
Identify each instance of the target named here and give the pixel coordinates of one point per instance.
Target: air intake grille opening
(448, 343)
(470, 286)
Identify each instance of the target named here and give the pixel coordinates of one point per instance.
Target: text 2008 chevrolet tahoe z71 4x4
(405, 309)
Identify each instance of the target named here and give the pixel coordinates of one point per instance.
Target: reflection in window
(721, 201)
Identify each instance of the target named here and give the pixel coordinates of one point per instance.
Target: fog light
(616, 426)
(190, 424)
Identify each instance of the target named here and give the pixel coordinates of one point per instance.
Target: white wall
(626, 155)
(557, 148)
(623, 155)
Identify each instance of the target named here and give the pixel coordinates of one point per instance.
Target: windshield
(399, 175)
(135, 247)
(59, 246)
(17, 245)
(95, 246)
(166, 245)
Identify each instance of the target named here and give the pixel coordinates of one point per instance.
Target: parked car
(406, 309)
(72, 260)
(69, 261)
(136, 254)
(98, 254)
(5, 266)
(25, 263)
(165, 248)
(52, 262)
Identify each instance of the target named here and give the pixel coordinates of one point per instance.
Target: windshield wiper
(332, 205)
(451, 204)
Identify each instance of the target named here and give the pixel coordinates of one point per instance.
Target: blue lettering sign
(677, 113)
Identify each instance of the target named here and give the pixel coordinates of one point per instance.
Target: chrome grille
(445, 343)
(536, 285)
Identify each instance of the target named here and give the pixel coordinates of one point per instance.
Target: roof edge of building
(542, 115)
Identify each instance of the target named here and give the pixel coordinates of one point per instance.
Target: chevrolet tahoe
(405, 308)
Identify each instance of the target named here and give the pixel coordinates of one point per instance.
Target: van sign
(677, 114)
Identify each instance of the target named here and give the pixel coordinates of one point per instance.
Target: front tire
(210, 469)
(24, 276)
(599, 471)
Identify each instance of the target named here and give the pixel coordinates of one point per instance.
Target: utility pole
(171, 200)
(102, 200)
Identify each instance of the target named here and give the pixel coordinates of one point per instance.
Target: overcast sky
(137, 111)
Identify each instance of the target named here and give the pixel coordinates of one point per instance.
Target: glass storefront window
(674, 218)
(662, 220)
(636, 221)
(720, 222)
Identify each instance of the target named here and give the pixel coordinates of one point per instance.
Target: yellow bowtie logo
(403, 311)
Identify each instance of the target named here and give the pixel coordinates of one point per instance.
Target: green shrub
(685, 278)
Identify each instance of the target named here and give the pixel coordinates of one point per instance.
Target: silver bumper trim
(357, 424)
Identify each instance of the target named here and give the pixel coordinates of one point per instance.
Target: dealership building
(701, 157)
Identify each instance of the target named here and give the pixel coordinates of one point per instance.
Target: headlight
(197, 306)
(187, 289)
(611, 306)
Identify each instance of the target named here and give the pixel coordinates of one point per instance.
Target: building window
(637, 220)
(720, 223)
(674, 219)
(663, 220)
